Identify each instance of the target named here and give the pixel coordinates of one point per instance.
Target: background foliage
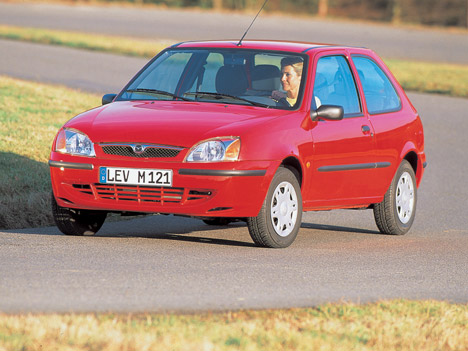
(428, 12)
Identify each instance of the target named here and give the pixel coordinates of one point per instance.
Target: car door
(386, 113)
(343, 161)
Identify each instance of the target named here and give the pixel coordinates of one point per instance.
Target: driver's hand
(277, 95)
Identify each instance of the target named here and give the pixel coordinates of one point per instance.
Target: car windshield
(229, 76)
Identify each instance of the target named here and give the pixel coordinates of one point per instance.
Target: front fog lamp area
(74, 143)
(216, 150)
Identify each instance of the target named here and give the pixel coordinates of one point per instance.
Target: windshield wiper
(219, 96)
(156, 92)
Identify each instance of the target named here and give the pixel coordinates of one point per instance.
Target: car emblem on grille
(138, 149)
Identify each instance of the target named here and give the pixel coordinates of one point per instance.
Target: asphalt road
(179, 25)
(166, 263)
(89, 71)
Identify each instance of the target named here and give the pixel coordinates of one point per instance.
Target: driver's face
(290, 80)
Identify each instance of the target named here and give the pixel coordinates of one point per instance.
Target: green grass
(30, 116)
(386, 325)
(440, 78)
(426, 77)
(106, 43)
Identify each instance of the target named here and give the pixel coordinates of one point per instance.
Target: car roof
(290, 46)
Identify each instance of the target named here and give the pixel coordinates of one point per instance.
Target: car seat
(265, 79)
(338, 97)
(320, 90)
(231, 80)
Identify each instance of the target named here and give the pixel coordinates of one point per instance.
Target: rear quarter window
(379, 92)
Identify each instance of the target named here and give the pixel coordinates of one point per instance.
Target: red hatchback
(258, 132)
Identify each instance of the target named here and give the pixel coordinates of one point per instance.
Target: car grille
(149, 150)
(142, 194)
(138, 193)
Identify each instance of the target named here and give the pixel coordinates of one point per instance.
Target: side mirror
(327, 112)
(108, 98)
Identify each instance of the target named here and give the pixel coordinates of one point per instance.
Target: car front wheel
(279, 219)
(77, 222)
(395, 214)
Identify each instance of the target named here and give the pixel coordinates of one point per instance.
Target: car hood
(168, 122)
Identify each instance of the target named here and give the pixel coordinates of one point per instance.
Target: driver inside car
(291, 73)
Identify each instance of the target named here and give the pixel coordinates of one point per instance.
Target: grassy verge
(448, 79)
(390, 325)
(30, 116)
(439, 78)
(94, 42)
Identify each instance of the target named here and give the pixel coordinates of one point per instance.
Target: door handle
(366, 130)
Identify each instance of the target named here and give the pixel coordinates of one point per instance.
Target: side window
(334, 85)
(378, 90)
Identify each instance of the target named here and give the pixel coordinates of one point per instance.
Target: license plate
(134, 176)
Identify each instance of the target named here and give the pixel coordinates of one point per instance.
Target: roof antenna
(240, 41)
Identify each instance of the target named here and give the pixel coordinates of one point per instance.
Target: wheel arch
(412, 158)
(411, 155)
(293, 164)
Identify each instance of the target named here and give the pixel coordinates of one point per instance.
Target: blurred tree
(218, 4)
(428, 12)
(323, 8)
(275, 5)
(253, 4)
(396, 11)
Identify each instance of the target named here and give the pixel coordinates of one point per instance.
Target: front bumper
(228, 189)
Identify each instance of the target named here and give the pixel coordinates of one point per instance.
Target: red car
(259, 132)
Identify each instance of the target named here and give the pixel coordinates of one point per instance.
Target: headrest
(231, 80)
(266, 77)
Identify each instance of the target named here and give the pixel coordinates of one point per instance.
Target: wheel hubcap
(405, 198)
(284, 209)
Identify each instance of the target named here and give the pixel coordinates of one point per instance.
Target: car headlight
(215, 150)
(73, 142)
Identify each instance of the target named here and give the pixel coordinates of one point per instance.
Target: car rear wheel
(77, 222)
(279, 220)
(395, 214)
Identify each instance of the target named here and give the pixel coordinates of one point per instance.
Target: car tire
(219, 221)
(395, 214)
(279, 219)
(77, 222)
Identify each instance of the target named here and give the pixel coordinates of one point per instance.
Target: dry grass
(30, 116)
(390, 325)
